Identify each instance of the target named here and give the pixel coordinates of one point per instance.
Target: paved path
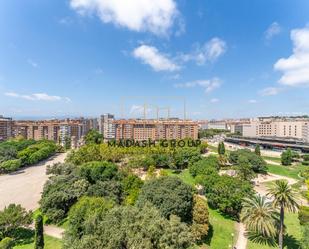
(262, 190)
(25, 186)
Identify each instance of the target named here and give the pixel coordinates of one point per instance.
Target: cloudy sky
(86, 57)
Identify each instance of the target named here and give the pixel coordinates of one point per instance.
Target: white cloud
(32, 63)
(37, 96)
(214, 100)
(209, 52)
(295, 68)
(152, 56)
(273, 29)
(270, 91)
(138, 15)
(208, 85)
(252, 101)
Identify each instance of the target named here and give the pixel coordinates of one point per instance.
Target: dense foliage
(13, 217)
(93, 137)
(132, 228)
(209, 133)
(17, 153)
(286, 157)
(170, 195)
(303, 215)
(139, 157)
(256, 162)
(97, 179)
(205, 166)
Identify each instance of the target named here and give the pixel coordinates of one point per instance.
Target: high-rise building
(107, 126)
(5, 128)
(156, 129)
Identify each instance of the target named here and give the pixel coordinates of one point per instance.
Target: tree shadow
(260, 239)
(22, 236)
(208, 238)
(290, 242)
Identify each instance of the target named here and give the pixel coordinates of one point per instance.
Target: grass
(274, 159)
(50, 243)
(288, 171)
(184, 175)
(292, 237)
(221, 230)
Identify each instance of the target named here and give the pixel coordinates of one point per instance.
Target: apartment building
(5, 128)
(107, 127)
(155, 129)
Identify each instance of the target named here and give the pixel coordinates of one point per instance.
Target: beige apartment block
(155, 129)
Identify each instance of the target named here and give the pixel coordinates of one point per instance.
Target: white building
(297, 129)
(107, 126)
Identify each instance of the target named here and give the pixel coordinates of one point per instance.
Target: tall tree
(39, 236)
(286, 157)
(259, 216)
(244, 169)
(257, 150)
(283, 198)
(93, 137)
(221, 149)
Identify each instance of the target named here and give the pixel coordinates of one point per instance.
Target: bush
(200, 218)
(10, 166)
(303, 215)
(170, 195)
(306, 157)
(306, 163)
(205, 166)
(257, 163)
(286, 157)
(6, 243)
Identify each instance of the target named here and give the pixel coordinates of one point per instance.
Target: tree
(244, 169)
(221, 149)
(170, 195)
(303, 215)
(131, 228)
(93, 137)
(204, 166)
(283, 198)
(39, 236)
(225, 192)
(12, 217)
(259, 216)
(286, 157)
(200, 218)
(83, 210)
(257, 150)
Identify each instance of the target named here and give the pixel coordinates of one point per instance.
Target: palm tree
(259, 216)
(283, 198)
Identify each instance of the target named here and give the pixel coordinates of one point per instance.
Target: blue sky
(83, 57)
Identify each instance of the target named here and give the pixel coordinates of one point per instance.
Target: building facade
(287, 128)
(5, 128)
(107, 126)
(156, 129)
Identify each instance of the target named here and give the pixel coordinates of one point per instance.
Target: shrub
(10, 165)
(6, 243)
(306, 163)
(306, 157)
(200, 218)
(303, 215)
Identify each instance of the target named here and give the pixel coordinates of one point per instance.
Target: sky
(222, 58)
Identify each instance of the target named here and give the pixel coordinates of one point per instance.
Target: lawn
(184, 175)
(289, 171)
(292, 237)
(274, 159)
(50, 243)
(220, 235)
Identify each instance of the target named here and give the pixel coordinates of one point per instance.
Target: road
(25, 187)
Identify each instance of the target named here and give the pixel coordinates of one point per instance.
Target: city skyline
(79, 58)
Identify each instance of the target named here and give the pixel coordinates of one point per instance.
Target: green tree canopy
(170, 195)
